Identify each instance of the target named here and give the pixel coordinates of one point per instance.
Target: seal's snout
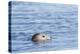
(38, 37)
(48, 38)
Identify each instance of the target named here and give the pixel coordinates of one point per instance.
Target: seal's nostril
(52, 37)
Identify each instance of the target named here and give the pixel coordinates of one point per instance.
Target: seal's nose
(52, 37)
(48, 38)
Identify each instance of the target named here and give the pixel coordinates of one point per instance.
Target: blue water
(56, 20)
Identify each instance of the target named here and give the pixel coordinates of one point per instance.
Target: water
(56, 20)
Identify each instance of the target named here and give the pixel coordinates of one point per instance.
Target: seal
(39, 37)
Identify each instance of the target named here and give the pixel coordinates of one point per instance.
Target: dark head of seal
(39, 37)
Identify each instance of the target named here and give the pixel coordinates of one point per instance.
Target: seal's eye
(43, 36)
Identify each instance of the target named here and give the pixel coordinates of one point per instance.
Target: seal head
(38, 37)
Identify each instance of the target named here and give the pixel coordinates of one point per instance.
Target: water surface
(56, 20)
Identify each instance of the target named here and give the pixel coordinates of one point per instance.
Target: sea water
(56, 20)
